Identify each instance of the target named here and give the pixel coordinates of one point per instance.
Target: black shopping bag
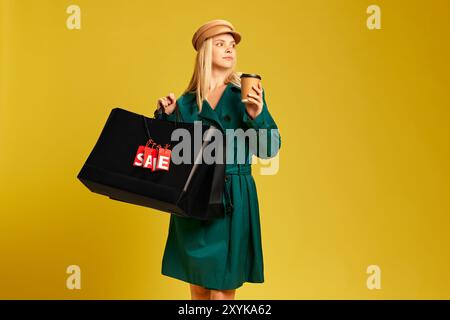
(187, 189)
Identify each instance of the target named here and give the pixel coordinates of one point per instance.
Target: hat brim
(212, 29)
(236, 35)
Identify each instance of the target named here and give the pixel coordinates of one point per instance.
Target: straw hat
(213, 28)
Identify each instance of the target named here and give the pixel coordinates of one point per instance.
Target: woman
(218, 256)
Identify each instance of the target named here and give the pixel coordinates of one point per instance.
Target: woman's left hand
(254, 102)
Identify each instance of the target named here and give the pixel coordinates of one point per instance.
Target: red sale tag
(139, 158)
(150, 157)
(153, 157)
(163, 161)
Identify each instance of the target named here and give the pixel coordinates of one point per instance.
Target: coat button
(227, 178)
(227, 118)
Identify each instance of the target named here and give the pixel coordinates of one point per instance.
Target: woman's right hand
(168, 103)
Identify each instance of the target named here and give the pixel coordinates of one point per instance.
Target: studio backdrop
(355, 206)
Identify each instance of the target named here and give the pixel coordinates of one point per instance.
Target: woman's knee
(199, 289)
(223, 294)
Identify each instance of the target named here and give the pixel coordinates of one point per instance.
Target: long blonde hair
(201, 78)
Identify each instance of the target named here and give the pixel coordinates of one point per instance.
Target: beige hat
(213, 28)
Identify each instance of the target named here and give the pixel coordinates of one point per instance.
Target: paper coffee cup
(247, 81)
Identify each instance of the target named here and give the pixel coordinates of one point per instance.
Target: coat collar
(210, 114)
(234, 87)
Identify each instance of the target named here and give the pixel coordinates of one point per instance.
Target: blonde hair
(201, 78)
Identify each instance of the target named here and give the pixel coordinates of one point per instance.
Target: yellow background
(364, 163)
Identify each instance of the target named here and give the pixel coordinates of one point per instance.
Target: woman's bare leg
(199, 293)
(223, 294)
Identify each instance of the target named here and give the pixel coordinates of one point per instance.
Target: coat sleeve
(268, 141)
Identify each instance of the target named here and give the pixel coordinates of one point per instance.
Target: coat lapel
(210, 114)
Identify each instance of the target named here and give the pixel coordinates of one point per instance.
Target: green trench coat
(223, 253)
